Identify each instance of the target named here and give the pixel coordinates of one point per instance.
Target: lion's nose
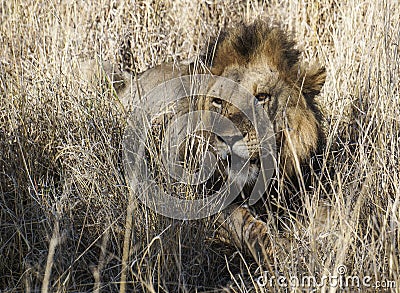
(231, 140)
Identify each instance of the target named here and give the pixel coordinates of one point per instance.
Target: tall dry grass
(63, 197)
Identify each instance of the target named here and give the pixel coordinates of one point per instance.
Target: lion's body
(264, 61)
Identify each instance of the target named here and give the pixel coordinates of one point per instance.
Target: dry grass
(63, 199)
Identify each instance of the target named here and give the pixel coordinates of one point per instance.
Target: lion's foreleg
(237, 226)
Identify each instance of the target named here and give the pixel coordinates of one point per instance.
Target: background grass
(63, 198)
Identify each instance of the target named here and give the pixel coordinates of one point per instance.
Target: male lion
(262, 59)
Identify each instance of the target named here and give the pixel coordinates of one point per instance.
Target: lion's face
(293, 121)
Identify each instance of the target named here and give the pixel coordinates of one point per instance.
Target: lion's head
(263, 60)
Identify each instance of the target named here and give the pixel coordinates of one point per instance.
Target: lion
(262, 59)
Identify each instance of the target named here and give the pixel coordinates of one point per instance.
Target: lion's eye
(217, 103)
(263, 97)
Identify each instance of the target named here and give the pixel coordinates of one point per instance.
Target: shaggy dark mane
(251, 41)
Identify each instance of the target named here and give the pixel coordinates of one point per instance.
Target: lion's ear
(313, 81)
